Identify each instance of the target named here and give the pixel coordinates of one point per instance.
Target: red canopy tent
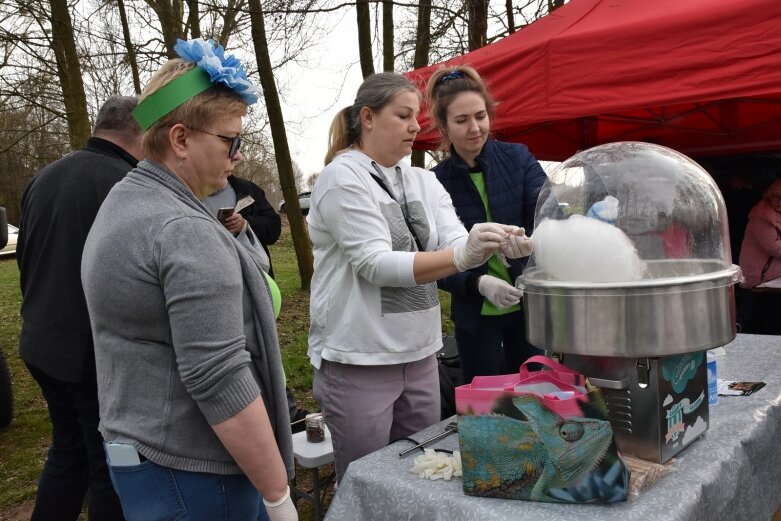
(699, 76)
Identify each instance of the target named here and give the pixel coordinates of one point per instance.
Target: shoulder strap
(382, 185)
(403, 212)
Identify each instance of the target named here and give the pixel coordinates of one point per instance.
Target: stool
(312, 456)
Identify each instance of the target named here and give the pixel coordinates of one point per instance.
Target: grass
(24, 442)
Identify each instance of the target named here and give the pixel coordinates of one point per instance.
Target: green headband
(170, 96)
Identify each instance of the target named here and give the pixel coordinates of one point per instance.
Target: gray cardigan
(183, 325)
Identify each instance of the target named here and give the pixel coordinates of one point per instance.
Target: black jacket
(261, 216)
(59, 206)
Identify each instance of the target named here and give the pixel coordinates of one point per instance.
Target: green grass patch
(24, 442)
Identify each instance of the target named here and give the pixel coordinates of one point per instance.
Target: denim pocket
(148, 491)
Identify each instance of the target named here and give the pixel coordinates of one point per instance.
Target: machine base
(657, 406)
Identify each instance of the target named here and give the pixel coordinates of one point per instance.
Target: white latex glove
(498, 292)
(484, 239)
(436, 465)
(518, 245)
(283, 509)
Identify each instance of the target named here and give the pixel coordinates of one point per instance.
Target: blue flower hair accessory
(212, 67)
(210, 57)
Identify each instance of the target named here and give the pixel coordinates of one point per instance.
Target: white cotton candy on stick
(582, 249)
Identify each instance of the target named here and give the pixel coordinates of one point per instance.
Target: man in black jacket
(59, 206)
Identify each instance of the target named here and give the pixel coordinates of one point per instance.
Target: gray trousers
(366, 407)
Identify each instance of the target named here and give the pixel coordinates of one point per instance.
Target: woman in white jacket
(383, 233)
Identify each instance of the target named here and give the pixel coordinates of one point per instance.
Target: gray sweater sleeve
(202, 285)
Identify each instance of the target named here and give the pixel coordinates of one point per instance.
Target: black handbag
(450, 376)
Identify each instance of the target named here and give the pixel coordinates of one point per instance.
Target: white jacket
(365, 306)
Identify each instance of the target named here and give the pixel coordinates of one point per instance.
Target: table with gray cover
(733, 472)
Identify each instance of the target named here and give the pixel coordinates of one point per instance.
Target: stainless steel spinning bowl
(660, 316)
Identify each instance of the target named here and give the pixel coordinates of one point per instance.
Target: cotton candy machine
(631, 280)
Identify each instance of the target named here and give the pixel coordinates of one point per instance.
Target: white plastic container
(713, 382)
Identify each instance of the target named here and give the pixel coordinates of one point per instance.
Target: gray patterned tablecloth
(732, 473)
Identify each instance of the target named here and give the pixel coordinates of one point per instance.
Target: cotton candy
(582, 249)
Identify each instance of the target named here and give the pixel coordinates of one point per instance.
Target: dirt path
(18, 513)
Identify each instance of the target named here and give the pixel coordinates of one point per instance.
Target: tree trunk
(170, 15)
(388, 56)
(131, 52)
(229, 22)
(477, 12)
(422, 49)
(281, 149)
(510, 17)
(69, 71)
(364, 37)
(193, 18)
(554, 4)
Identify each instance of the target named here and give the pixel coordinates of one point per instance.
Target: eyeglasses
(235, 142)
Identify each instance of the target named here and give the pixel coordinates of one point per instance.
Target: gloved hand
(283, 509)
(498, 292)
(484, 239)
(518, 245)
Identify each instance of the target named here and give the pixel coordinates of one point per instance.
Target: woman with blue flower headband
(190, 380)
(383, 232)
(488, 181)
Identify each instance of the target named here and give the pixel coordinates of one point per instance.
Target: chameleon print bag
(539, 436)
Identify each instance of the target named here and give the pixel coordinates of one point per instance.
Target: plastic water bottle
(713, 382)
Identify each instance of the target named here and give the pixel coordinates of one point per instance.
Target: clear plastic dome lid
(628, 213)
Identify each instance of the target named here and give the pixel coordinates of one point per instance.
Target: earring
(181, 161)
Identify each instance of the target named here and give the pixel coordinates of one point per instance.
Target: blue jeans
(499, 346)
(150, 492)
(75, 467)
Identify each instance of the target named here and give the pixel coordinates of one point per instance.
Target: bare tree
(131, 51)
(554, 4)
(30, 137)
(477, 11)
(310, 181)
(510, 17)
(193, 19)
(170, 15)
(388, 56)
(34, 129)
(64, 47)
(281, 148)
(230, 19)
(423, 38)
(258, 165)
(364, 37)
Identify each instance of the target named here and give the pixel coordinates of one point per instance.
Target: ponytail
(338, 134)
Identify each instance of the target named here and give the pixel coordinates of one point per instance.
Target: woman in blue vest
(489, 181)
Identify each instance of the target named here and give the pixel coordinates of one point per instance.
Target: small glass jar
(315, 427)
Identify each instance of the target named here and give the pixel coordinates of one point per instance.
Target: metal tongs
(449, 429)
